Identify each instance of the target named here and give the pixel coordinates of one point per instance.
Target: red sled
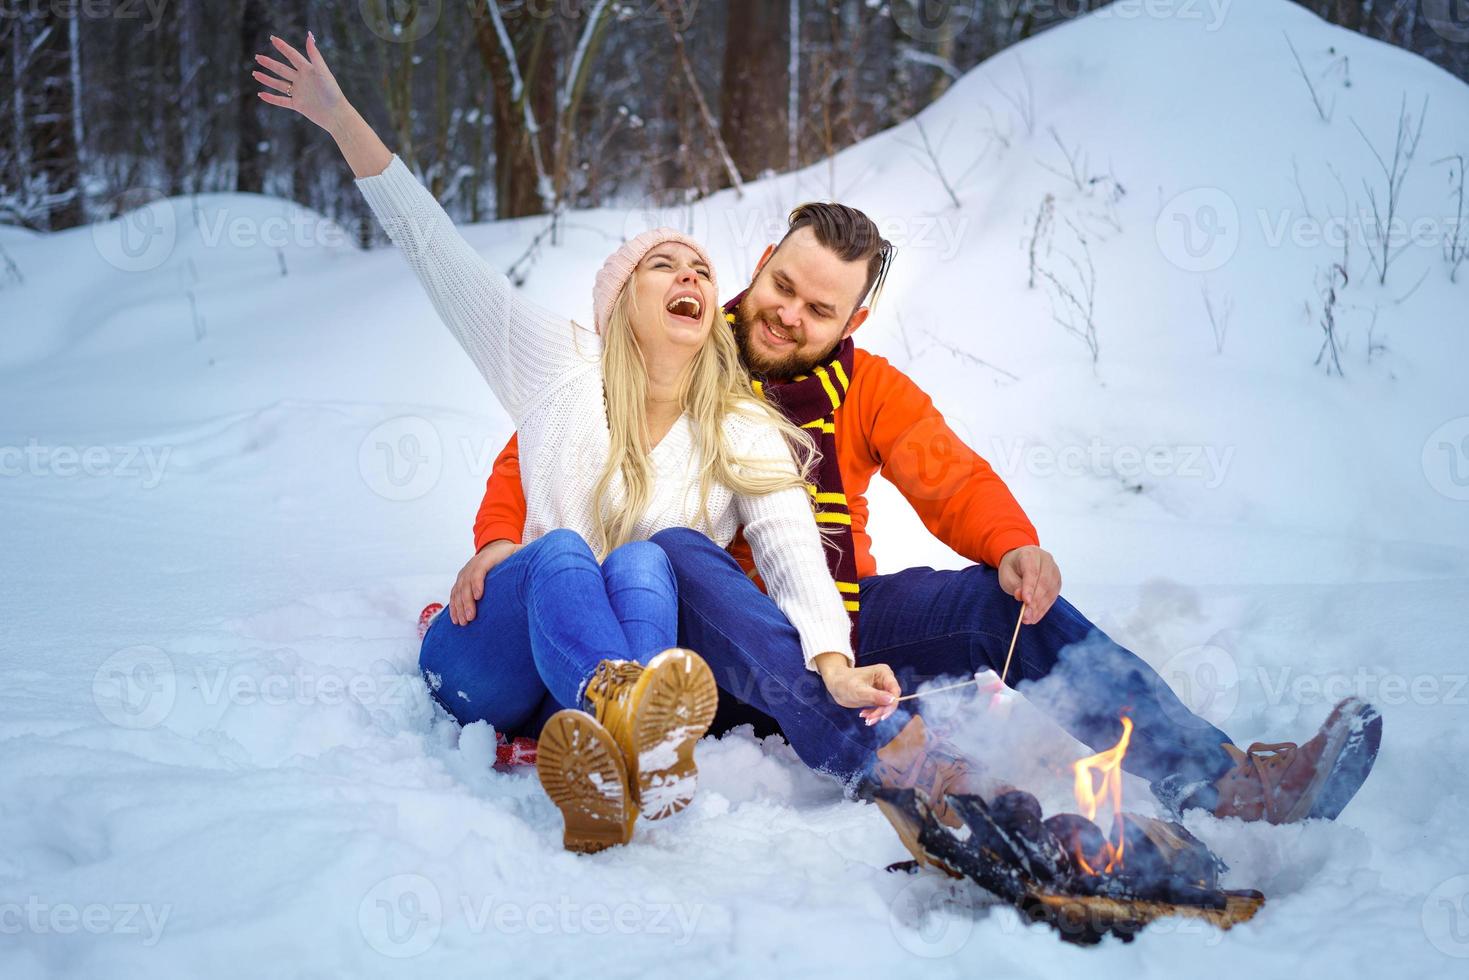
(429, 611)
(519, 751)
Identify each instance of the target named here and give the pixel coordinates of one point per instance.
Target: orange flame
(1090, 793)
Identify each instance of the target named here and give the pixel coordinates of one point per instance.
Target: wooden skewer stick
(1004, 671)
(936, 690)
(975, 680)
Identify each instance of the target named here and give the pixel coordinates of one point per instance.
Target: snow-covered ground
(227, 493)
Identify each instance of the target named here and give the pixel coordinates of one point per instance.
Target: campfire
(1064, 870)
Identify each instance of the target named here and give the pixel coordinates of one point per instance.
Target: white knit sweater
(547, 372)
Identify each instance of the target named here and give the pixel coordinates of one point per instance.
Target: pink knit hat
(618, 269)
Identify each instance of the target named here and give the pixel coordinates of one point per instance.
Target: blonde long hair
(716, 385)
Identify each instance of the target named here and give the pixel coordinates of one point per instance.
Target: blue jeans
(928, 624)
(549, 615)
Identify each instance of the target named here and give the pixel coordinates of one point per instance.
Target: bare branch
(1385, 213)
(934, 166)
(1041, 233)
(12, 271)
(1218, 316)
(1336, 276)
(1456, 243)
(1022, 100)
(1073, 305)
(1315, 99)
(964, 355)
(1075, 162)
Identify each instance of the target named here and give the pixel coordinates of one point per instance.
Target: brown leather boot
(582, 771)
(1282, 782)
(656, 714)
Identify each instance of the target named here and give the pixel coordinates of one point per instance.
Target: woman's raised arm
(519, 347)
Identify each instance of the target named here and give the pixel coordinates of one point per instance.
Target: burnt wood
(1005, 848)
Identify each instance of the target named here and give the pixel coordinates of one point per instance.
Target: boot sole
(675, 710)
(582, 771)
(1354, 745)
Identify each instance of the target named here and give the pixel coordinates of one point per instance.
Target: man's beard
(778, 368)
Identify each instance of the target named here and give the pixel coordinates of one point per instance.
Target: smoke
(1027, 738)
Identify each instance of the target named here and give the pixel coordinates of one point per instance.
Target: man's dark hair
(851, 235)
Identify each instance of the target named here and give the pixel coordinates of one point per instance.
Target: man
(794, 325)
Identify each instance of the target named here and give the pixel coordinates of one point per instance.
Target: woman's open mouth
(686, 306)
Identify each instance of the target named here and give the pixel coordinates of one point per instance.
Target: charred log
(1007, 849)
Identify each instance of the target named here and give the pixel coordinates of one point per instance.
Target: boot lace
(611, 678)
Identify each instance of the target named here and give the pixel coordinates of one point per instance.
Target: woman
(644, 424)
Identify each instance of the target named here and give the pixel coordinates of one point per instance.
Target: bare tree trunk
(793, 87)
(74, 39)
(524, 112)
(398, 84)
(16, 154)
(568, 103)
(53, 135)
(944, 51)
(754, 96)
(692, 80)
(438, 169)
(164, 42)
(250, 153)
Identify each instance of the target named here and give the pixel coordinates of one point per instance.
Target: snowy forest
(513, 108)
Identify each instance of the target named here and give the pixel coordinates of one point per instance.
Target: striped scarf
(810, 401)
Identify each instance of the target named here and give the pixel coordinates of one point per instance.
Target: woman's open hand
(873, 688)
(302, 82)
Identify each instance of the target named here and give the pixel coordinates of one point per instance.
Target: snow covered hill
(227, 491)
